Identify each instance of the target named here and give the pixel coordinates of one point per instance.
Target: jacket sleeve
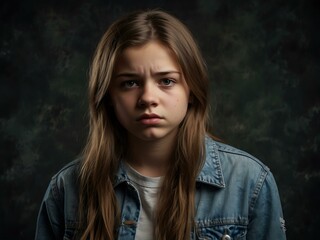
(50, 223)
(266, 217)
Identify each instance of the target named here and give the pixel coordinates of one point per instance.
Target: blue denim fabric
(236, 198)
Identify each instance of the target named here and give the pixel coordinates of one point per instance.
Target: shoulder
(231, 156)
(66, 180)
(228, 167)
(225, 165)
(59, 209)
(68, 170)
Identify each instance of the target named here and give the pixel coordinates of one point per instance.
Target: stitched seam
(256, 192)
(222, 221)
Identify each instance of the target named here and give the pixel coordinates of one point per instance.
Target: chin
(150, 137)
(154, 135)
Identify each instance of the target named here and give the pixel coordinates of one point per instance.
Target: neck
(150, 158)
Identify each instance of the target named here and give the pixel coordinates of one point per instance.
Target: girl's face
(148, 92)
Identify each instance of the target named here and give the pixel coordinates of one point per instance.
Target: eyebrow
(162, 73)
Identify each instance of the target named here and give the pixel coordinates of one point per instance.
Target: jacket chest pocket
(221, 232)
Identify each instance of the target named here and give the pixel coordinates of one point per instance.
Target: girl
(149, 169)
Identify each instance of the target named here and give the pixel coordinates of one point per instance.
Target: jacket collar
(211, 172)
(121, 175)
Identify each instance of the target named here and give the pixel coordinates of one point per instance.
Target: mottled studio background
(263, 58)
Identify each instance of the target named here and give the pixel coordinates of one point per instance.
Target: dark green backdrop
(263, 58)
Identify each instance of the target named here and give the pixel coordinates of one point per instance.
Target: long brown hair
(98, 208)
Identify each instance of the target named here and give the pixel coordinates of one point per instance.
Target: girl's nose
(148, 96)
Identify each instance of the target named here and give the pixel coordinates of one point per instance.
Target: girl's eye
(167, 82)
(129, 84)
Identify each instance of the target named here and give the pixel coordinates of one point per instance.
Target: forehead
(150, 55)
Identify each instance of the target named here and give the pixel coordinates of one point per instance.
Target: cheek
(122, 106)
(121, 114)
(118, 99)
(180, 105)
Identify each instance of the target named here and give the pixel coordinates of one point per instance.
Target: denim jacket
(236, 198)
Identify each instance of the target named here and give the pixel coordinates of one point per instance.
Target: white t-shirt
(148, 188)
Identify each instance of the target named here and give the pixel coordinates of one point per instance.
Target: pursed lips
(149, 119)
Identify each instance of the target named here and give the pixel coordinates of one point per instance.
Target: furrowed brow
(166, 73)
(127, 75)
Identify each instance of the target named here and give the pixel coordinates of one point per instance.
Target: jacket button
(226, 237)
